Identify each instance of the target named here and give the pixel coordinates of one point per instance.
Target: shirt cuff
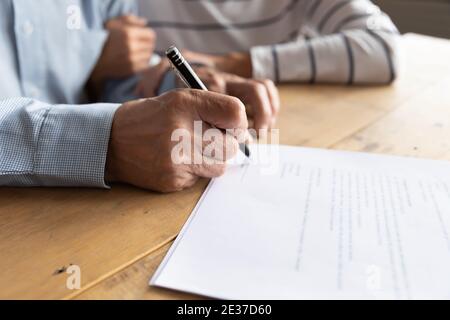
(73, 145)
(264, 62)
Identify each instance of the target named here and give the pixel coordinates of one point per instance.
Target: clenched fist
(127, 50)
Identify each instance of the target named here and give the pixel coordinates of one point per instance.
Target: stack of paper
(307, 224)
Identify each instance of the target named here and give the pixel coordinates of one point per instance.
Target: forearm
(350, 57)
(53, 145)
(347, 42)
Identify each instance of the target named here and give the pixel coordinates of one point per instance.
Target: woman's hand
(238, 63)
(127, 51)
(260, 97)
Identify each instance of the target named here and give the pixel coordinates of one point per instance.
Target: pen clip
(179, 75)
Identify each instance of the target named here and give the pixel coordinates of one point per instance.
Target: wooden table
(119, 237)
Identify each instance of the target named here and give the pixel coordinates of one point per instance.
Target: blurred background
(431, 17)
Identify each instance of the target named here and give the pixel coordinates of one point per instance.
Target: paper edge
(163, 264)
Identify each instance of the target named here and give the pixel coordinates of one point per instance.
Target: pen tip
(247, 151)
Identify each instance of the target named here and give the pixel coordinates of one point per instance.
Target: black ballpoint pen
(190, 78)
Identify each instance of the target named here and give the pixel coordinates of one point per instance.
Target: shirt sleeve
(117, 8)
(54, 145)
(120, 90)
(346, 41)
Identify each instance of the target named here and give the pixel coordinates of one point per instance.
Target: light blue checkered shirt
(47, 137)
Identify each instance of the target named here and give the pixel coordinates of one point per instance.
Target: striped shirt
(332, 41)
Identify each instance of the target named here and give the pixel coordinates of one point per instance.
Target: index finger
(274, 95)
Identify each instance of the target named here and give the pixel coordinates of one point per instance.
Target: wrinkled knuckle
(236, 109)
(259, 89)
(177, 124)
(183, 99)
(277, 108)
(215, 79)
(214, 83)
(266, 114)
(269, 83)
(177, 97)
(236, 115)
(175, 183)
(171, 95)
(169, 168)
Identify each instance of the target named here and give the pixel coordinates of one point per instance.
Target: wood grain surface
(118, 237)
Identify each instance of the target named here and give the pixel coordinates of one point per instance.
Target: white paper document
(302, 223)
